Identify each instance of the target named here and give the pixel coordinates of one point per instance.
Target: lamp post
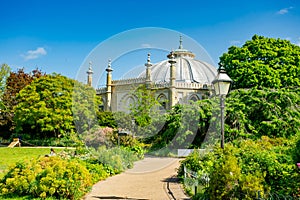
(221, 85)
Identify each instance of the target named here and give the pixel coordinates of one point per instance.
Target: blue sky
(58, 35)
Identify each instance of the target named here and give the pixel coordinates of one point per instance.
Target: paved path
(151, 178)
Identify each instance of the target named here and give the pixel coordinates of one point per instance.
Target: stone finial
(148, 64)
(171, 58)
(148, 59)
(90, 71)
(180, 42)
(109, 69)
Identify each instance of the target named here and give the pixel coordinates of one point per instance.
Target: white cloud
(284, 10)
(34, 54)
(146, 45)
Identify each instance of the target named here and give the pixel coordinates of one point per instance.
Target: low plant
(247, 167)
(116, 159)
(47, 177)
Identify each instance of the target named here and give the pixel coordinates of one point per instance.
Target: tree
(147, 118)
(4, 73)
(145, 106)
(54, 106)
(252, 113)
(15, 82)
(263, 62)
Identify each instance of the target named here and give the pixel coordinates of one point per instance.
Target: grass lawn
(9, 156)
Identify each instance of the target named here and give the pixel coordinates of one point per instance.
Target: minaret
(90, 73)
(148, 72)
(172, 96)
(180, 42)
(108, 86)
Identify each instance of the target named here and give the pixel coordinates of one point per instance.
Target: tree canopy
(15, 82)
(252, 113)
(53, 106)
(263, 62)
(4, 73)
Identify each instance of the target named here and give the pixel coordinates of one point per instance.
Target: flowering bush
(98, 136)
(47, 177)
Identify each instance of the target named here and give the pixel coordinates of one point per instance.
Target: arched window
(162, 99)
(129, 102)
(194, 98)
(126, 102)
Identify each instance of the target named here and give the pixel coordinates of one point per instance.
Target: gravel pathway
(151, 178)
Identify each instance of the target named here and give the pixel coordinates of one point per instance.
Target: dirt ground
(151, 178)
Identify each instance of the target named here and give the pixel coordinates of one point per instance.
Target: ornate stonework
(179, 79)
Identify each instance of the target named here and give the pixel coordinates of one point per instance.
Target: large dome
(188, 69)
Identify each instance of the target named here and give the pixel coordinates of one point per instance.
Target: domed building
(178, 80)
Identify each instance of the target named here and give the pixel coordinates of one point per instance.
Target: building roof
(187, 70)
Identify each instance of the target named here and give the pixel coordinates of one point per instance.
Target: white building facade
(177, 80)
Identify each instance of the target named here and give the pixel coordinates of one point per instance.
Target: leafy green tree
(145, 106)
(55, 106)
(263, 62)
(242, 169)
(15, 82)
(106, 118)
(187, 126)
(4, 73)
(85, 107)
(252, 113)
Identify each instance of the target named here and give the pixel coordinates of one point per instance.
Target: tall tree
(54, 106)
(15, 82)
(263, 62)
(252, 113)
(4, 73)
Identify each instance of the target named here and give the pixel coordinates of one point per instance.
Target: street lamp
(222, 84)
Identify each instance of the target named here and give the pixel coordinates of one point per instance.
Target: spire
(109, 69)
(180, 42)
(148, 71)
(148, 64)
(108, 86)
(172, 88)
(89, 73)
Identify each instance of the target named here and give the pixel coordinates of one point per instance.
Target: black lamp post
(222, 84)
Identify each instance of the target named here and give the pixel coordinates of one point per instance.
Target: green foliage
(106, 118)
(98, 136)
(44, 107)
(241, 170)
(116, 159)
(197, 162)
(10, 156)
(97, 171)
(55, 106)
(143, 107)
(4, 73)
(186, 126)
(263, 62)
(47, 177)
(85, 106)
(15, 82)
(224, 177)
(252, 113)
(273, 158)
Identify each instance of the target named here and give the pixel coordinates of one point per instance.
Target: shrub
(241, 170)
(47, 177)
(98, 136)
(116, 159)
